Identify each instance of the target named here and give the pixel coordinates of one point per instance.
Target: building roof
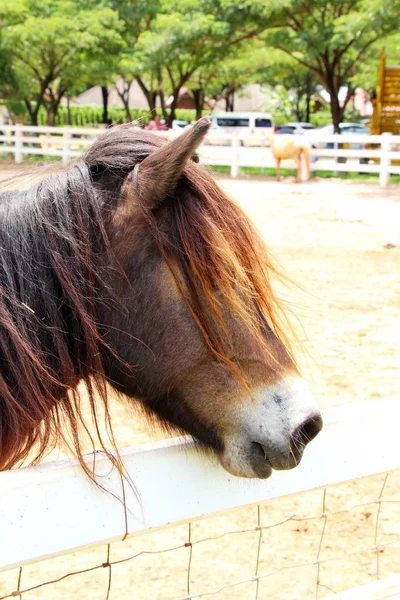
(251, 98)
(93, 96)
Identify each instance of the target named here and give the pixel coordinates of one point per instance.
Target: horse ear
(156, 176)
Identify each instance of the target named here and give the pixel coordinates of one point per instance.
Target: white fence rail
(351, 153)
(53, 509)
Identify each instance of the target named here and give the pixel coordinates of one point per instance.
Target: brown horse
(134, 269)
(293, 147)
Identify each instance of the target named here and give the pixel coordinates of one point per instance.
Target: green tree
(8, 81)
(136, 18)
(242, 64)
(332, 38)
(187, 36)
(298, 83)
(51, 49)
(367, 75)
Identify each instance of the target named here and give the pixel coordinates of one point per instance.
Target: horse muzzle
(274, 433)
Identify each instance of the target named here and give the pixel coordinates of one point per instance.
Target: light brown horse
(287, 146)
(134, 269)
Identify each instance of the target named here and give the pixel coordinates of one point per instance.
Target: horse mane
(61, 223)
(50, 238)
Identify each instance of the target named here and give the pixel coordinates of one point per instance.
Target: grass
(266, 172)
(8, 157)
(270, 172)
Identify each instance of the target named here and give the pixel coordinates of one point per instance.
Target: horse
(286, 146)
(133, 269)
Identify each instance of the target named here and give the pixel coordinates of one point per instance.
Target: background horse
(134, 269)
(295, 147)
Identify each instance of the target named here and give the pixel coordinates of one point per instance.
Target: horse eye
(195, 158)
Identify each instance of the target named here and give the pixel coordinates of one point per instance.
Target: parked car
(345, 128)
(179, 124)
(294, 128)
(241, 122)
(246, 124)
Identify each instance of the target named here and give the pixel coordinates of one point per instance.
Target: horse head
(197, 340)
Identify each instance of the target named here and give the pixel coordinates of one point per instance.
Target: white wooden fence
(53, 509)
(65, 142)
(379, 154)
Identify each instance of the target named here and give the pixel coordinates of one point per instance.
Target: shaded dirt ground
(332, 238)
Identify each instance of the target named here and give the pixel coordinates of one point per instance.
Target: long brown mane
(54, 251)
(49, 236)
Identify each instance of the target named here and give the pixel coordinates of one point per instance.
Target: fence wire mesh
(308, 546)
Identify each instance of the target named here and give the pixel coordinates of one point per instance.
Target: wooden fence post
(19, 144)
(235, 156)
(66, 145)
(384, 170)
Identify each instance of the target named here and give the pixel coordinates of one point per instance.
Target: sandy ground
(341, 243)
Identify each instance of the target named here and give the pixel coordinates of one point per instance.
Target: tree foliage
(366, 76)
(332, 38)
(53, 52)
(186, 38)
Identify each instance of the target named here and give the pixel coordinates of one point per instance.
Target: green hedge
(318, 119)
(90, 115)
(321, 118)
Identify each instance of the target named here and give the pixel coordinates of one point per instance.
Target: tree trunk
(69, 111)
(308, 97)
(298, 111)
(172, 108)
(51, 114)
(176, 87)
(31, 112)
(333, 88)
(104, 94)
(162, 97)
(53, 110)
(154, 95)
(198, 102)
(230, 101)
(125, 101)
(308, 107)
(151, 99)
(34, 112)
(336, 111)
(124, 95)
(150, 95)
(53, 105)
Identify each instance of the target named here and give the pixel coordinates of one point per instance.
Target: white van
(242, 122)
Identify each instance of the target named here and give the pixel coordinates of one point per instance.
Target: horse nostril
(307, 431)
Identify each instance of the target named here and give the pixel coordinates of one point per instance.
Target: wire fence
(308, 546)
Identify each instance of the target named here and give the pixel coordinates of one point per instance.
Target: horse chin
(246, 460)
(255, 460)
